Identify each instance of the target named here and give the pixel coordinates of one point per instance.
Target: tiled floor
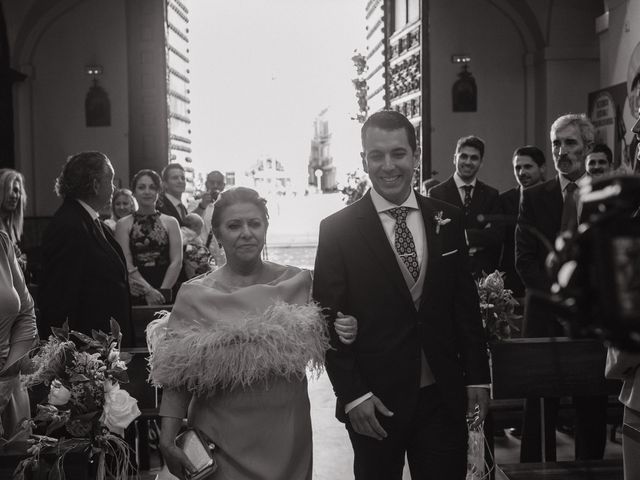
(332, 452)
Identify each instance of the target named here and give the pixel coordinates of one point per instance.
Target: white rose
(58, 394)
(120, 408)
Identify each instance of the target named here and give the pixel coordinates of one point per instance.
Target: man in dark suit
(551, 207)
(465, 191)
(84, 273)
(398, 262)
(529, 169)
(173, 186)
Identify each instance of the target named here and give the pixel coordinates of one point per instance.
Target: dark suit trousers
(435, 444)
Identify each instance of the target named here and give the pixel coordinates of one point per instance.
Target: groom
(398, 262)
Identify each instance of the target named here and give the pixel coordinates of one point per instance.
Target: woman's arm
(137, 284)
(173, 410)
(175, 251)
(23, 330)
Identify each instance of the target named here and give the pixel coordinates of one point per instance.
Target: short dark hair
(165, 171)
(78, 174)
(471, 141)
(530, 151)
(602, 148)
(146, 172)
(390, 120)
(237, 195)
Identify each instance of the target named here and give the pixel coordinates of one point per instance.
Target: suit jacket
(510, 204)
(84, 275)
(356, 273)
(165, 206)
(541, 208)
(485, 242)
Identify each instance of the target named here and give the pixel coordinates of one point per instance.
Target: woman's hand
(136, 287)
(176, 460)
(154, 297)
(346, 327)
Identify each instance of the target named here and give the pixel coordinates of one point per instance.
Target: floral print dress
(149, 244)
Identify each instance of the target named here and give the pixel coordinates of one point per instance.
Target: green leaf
(115, 328)
(79, 377)
(85, 338)
(61, 333)
(126, 357)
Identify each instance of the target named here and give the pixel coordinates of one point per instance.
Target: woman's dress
(149, 244)
(17, 323)
(238, 356)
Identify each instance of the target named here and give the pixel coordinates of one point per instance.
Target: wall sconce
(97, 106)
(464, 93)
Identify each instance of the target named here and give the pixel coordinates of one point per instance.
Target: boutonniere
(440, 221)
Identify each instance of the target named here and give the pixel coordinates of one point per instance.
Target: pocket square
(450, 253)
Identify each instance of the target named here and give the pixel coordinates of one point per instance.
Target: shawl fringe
(285, 340)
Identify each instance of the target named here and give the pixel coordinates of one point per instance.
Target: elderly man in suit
(550, 208)
(173, 186)
(84, 273)
(465, 191)
(398, 262)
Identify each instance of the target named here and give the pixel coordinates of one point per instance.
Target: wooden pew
(141, 316)
(549, 367)
(148, 402)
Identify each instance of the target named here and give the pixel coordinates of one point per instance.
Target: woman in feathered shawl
(234, 351)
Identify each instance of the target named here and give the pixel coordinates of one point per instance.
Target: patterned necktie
(570, 208)
(404, 243)
(467, 198)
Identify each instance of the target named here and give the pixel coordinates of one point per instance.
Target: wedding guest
(123, 203)
(17, 336)
(552, 207)
(529, 168)
(169, 201)
(600, 161)
(474, 198)
(13, 202)
(214, 184)
(233, 354)
(84, 274)
(151, 244)
(196, 256)
(397, 261)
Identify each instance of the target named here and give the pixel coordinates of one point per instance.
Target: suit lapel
(374, 236)
(434, 247)
(453, 196)
(101, 238)
(555, 202)
(478, 197)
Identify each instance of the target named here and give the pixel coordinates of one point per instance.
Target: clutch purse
(199, 450)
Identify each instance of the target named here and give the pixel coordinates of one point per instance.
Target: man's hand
(346, 327)
(477, 405)
(363, 418)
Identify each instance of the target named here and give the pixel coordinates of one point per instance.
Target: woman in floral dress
(151, 244)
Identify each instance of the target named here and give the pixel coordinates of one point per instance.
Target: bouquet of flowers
(86, 410)
(497, 306)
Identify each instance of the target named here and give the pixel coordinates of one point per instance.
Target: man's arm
(528, 247)
(488, 235)
(330, 291)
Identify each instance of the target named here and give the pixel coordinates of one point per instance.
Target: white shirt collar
(94, 215)
(564, 181)
(175, 201)
(461, 183)
(381, 204)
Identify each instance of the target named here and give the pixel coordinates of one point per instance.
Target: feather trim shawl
(282, 340)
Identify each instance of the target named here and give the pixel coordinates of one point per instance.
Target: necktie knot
(571, 187)
(399, 214)
(467, 189)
